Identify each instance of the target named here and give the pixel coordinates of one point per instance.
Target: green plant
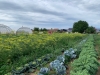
(87, 60)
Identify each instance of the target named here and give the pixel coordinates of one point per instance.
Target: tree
(80, 26)
(90, 30)
(36, 29)
(44, 29)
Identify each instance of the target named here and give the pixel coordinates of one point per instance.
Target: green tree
(80, 26)
(44, 29)
(90, 30)
(36, 29)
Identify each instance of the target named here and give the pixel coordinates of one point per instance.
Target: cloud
(10, 6)
(48, 13)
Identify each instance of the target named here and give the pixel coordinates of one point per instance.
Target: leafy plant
(87, 61)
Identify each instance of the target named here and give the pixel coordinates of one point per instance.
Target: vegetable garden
(48, 54)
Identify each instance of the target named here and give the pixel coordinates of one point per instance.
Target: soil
(97, 48)
(33, 73)
(98, 72)
(69, 68)
(68, 71)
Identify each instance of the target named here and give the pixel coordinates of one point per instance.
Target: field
(26, 53)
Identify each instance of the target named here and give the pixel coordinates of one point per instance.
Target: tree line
(41, 29)
(80, 27)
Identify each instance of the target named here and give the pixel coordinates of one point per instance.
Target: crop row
(18, 50)
(97, 43)
(59, 65)
(33, 65)
(87, 63)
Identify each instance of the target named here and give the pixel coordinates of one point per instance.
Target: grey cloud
(93, 7)
(24, 20)
(10, 6)
(71, 18)
(79, 10)
(88, 5)
(32, 8)
(43, 11)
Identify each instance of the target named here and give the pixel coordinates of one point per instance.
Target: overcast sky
(49, 13)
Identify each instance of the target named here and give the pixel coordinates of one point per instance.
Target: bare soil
(69, 67)
(97, 48)
(98, 72)
(68, 71)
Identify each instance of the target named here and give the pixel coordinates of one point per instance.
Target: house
(52, 30)
(70, 29)
(97, 30)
